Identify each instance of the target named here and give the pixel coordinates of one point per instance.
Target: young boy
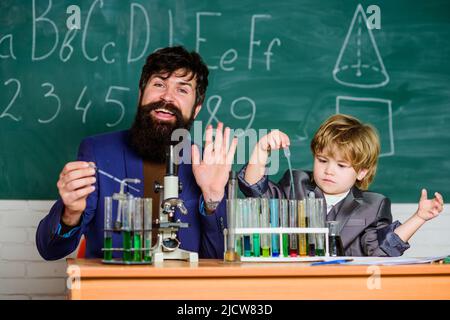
(345, 161)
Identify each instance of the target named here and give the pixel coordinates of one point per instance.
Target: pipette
(113, 177)
(287, 154)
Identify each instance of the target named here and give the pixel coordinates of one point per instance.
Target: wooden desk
(212, 279)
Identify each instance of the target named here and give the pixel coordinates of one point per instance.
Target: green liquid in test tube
(265, 223)
(147, 203)
(107, 240)
(137, 244)
(107, 244)
(256, 245)
(147, 254)
(126, 238)
(284, 219)
(254, 220)
(239, 245)
(320, 223)
(137, 228)
(127, 209)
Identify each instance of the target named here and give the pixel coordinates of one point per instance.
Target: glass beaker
(335, 241)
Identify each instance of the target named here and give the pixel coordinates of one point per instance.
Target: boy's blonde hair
(358, 143)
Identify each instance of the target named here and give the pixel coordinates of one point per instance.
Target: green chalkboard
(273, 64)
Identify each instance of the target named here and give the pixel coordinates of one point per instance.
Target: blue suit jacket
(111, 153)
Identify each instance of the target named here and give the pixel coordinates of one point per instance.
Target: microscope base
(178, 254)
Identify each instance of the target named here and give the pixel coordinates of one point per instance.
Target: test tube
(311, 222)
(265, 223)
(127, 217)
(320, 223)
(254, 223)
(274, 223)
(108, 225)
(246, 219)
(239, 224)
(293, 223)
(137, 230)
(230, 255)
(147, 203)
(302, 243)
(232, 185)
(284, 220)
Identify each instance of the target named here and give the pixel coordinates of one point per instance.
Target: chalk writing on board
(230, 55)
(9, 37)
(51, 93)
(237, 103)
(359, 63)
(74, 40)
(5, 112)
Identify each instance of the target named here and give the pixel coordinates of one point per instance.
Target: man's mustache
(149, 107)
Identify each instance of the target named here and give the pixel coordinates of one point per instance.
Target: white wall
(25, 275)
(433, 239)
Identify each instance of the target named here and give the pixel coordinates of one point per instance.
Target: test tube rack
(280, 231)
(131, 251)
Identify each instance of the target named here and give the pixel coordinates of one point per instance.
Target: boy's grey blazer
(365, 217)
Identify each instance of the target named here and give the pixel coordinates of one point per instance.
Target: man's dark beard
(149, 137)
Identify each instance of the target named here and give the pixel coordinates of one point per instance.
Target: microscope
(167, 245)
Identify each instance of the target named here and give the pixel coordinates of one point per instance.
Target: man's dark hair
(170, 59)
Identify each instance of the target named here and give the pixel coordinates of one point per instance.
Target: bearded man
(171, 92)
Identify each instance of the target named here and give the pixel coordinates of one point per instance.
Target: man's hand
(74, 186)
(429, 209)
(212, 172)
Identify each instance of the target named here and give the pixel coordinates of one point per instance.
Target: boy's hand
(274, 140)
(257, 163)
(429, 209)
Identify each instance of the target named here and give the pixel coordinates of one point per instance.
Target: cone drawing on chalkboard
(359, 63)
